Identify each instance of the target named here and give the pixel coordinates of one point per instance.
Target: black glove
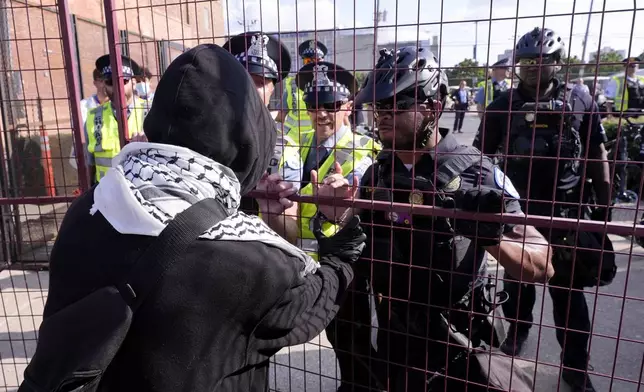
(602, 214)
(347, 244)
(486, 200)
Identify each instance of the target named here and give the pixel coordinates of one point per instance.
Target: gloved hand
(602, 214)
(347, 244)
(486, 200)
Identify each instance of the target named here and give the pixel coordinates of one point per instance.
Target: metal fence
(48, 49)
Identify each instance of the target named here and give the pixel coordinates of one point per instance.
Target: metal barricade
(48, 53)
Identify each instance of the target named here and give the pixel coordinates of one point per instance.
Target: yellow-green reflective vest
(103, 134)
(621, 94)
(349, 150)
(489, 89)
(297, 115)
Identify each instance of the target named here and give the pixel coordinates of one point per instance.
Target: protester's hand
(335, 186)
(139, 137)
(347, 244)
(485, 200)
(274, 185)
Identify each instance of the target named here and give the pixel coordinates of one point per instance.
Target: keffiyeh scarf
(150, 183)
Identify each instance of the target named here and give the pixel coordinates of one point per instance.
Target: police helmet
(312, 49)
(411, 70)
(325, 82)
(261, 54)
(540, 43)
(129, 67)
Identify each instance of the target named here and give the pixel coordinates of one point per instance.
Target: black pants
(572, 323)
(459, 116)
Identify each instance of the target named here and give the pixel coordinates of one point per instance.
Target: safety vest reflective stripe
(297, 115)
(620, 102)
(350, 149)
(103, 134)
(489, 92)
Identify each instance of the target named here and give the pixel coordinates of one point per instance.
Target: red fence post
(73, 83)
(119, 100)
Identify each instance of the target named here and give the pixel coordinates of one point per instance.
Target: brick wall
(33, 56)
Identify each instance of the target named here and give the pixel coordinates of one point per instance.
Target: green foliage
(360, 78)
(467, 70)
(606, 57)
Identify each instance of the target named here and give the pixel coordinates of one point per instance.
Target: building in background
(33, 83)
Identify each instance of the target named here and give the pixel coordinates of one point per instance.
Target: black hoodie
(222, 311)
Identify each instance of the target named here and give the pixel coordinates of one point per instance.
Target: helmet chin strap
(428, 125)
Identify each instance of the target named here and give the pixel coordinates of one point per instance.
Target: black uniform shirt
(418, 242)
(493, 131)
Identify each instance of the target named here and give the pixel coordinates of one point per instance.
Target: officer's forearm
(524, 254)
(600, 174)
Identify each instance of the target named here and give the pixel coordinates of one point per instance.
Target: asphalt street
(617, 344)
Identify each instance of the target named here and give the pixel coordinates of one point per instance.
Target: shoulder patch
(503, 182)
(453, 185)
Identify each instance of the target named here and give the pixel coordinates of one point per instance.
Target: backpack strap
(168, 249)
(456, 164)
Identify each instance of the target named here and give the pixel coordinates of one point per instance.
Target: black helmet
(538, 43)
(410, 70)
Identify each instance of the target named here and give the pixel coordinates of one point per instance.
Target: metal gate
(48, 49)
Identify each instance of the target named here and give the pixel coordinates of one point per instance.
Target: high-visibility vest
(489, 92)
(349, 150)
(103, 134)
(621, 94)
(297, 115)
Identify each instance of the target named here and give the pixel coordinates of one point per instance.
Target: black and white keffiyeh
(150, 183)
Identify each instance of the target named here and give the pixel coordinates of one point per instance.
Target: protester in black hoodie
(240, 293)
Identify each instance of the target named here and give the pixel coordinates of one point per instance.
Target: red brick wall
(36, 54)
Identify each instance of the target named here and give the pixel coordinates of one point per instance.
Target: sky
(500, 22)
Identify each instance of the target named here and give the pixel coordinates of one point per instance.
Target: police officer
(101, 127)
(415, 267)
(89, 103)
(492, 88)
(268, 62)
(332, 148)
(627, 93)
(292, 107)
(557, 132)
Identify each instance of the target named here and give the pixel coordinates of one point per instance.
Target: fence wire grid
(48, 86)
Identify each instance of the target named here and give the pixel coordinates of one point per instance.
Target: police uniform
(292, 97)
(384, 321)
(265, 55)
(101, 126)
(627, 92)
(582, 127)
(86, 105)
(491, 89)
(326, 83)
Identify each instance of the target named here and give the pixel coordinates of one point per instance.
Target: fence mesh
(406, 279)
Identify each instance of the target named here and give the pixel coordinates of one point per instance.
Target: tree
(612, 60)
(360, 78)
(467, 70)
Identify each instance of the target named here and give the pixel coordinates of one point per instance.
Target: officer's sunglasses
(537, 61)
(329, 107)
(108, 82)
(393, 108)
